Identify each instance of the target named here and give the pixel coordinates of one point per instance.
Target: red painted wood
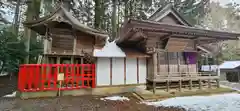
(35, 77)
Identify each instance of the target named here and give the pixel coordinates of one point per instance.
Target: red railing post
(93, 76)
(35, 77)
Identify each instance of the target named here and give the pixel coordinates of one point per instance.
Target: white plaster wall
(131, 71)
(117, 71)
(103, 71)
(142, 70)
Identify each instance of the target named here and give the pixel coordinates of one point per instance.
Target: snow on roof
(109, 50)
(229, 65)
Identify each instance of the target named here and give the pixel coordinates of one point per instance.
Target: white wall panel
(103, 71)
(117, 71)
(142, 70)
(131, 71)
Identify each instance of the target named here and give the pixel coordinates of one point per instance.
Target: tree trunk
(33, 12)
(16, 18)
(125, 10)
(97, 21)
(114, 19)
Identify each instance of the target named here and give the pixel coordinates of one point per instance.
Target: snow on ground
(11, 95)
(223, 102)
(116, 98)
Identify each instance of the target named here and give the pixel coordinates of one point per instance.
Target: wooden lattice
(88, 58)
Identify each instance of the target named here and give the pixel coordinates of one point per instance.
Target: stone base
(28, 95)
(98, 91)
(80, 92)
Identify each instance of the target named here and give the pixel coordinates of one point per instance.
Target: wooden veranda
(173, 45)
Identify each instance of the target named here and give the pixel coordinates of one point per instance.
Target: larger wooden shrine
(161, 52)
(173, 44)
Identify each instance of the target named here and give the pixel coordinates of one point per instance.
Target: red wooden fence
(44, 77)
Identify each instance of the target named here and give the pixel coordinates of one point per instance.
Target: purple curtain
(190, 57)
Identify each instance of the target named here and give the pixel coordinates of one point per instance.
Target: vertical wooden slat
(167, 53)
(178, 61)
(125, 70)
(159, 62)
(74, 45)
(138, 70)
(110, 71)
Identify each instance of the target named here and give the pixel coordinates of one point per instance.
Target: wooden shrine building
(173, 44)
(161, 52)
(66, 39)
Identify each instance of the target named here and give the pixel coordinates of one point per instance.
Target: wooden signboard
(60, 77)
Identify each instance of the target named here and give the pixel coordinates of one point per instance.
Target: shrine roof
(61, 15)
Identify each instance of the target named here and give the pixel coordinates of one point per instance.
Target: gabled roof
(204, 36)
(61, 15)
(164, 11)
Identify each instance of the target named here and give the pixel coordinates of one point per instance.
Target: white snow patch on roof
(223, 102)
(229, 65)
(109, 50)
(11, 95)
(116, 98)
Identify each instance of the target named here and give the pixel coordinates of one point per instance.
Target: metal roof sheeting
(229, 65)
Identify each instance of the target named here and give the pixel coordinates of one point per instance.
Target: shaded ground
(82, 103)
(7, 86)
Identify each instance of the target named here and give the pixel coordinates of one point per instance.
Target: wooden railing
(182, 76)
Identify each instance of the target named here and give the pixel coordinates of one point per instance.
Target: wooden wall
(62, 41)
(67, 42)
(121, 71)
(84, 42)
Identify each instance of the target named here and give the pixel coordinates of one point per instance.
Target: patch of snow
(223, 102)
(11, 95)
(109, 50)
(116, 98)
(4, 74)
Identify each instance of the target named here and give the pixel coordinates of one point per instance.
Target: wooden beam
(165, 36)
(137, 36)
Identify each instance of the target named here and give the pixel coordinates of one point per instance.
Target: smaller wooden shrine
(173, 44)
(66, 40)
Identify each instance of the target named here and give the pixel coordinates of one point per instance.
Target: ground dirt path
(81, 103)
(7, 86)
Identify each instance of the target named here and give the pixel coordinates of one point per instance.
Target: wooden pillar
(72, 59)
(218, 83)
(58, 62)
(74, 45)
(209, 83)
(167, 85)
(200, 83)
(154, 70)
(169, 74)
(178, 61)
(180, 85)
(190, 84)
(168, 62)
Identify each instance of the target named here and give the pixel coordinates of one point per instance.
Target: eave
(61, 15)
(151, 26)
